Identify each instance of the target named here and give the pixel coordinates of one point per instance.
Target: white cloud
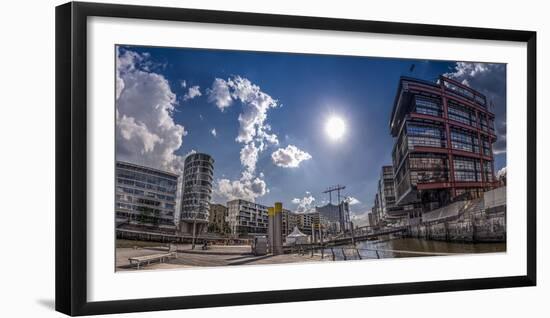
(249, 157)
(192, 92)
(352, 201)
(289, 157)
(490, 80)
(246, 189)
(501, 173)
(145, 130)
(136, 135)
(126, 62)
(255, 106)
(219, 94)
(360, 218)
(184, 83)
(213, 132)
(254, 133)
(304, 204)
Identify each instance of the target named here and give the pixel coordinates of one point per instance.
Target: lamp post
(352, 234)
(195, 225)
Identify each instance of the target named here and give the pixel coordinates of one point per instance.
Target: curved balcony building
(198, 176)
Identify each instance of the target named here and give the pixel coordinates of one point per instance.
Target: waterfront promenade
(216, 255)
(235, 255)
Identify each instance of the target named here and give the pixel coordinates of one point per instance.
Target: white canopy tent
(296, 237)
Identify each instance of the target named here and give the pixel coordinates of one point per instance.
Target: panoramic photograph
(228, 157)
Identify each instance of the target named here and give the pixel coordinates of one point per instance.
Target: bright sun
(335, 128)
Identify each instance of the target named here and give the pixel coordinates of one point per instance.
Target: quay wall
(490, 228)
(480, 220)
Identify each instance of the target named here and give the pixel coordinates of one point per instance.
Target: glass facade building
(336, 213)
(375, 211)
(144, 195)
(443, 135)
(387, 208)
(198, 176)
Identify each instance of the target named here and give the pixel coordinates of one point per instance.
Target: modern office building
(290, 221)
(443, 136)
(336, 213)
(198, 176)
(387, 209)
(245, 217)
(372, 219)
(144, 196)
(217, 218)
(306, 221)
(375, 211)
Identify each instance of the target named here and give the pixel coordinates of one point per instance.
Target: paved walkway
(215, 249)
(214, 256)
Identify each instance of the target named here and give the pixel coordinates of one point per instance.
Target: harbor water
(388, 247)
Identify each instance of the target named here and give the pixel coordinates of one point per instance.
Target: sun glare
(335, 128)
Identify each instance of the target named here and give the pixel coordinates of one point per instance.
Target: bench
(148, 259)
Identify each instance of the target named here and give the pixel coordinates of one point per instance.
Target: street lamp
(201, 204)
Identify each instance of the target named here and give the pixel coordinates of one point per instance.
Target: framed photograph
(209, 158)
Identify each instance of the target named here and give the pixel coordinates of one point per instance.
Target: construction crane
(331, 189)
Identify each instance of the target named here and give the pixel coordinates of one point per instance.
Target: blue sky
(284, 101)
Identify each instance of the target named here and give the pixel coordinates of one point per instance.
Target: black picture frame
(71, 157)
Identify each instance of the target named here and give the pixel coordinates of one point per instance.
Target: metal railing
(356, 253)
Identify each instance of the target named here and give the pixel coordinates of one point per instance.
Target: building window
(428, 168)
(487, 124)
(427, 106)
(486, 147)
(428, 176)
(464, 141)
(420, 135)
(461, 163)
(467, 176)
(428, 163)
(461, 114)
(459, 90)
(467, 169)
(488, 171)
(480, 100)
